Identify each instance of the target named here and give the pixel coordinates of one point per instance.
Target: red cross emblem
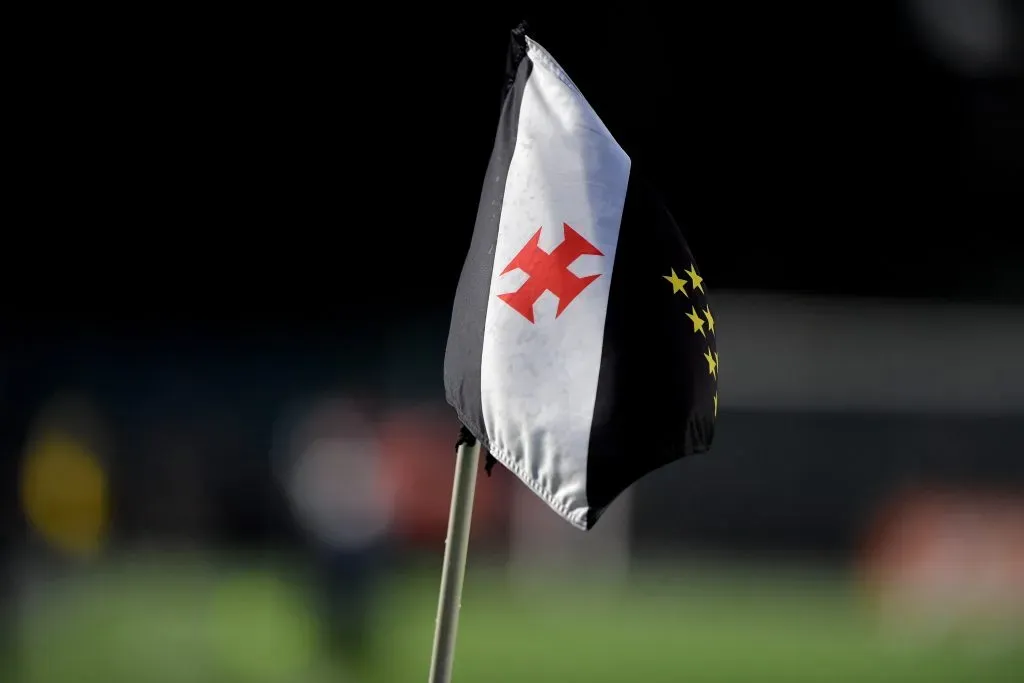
(549, 272)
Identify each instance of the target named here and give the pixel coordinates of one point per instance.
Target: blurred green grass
(187, 622)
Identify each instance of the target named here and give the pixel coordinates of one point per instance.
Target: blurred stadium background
(230, 460)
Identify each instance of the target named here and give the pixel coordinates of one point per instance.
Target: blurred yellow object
(64, 494)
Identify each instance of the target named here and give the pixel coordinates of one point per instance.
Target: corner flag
(582, 351)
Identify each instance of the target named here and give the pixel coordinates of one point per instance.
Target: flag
(582, 349)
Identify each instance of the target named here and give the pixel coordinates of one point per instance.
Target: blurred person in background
(342, 498)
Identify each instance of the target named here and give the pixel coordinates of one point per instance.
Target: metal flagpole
(453, 569)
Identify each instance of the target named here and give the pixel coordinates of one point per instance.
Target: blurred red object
(418, 447)
(956, 554)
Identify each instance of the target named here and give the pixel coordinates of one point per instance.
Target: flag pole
(453, 568)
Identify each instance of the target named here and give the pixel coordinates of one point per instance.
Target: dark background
(213, 213)
(272, 166)
(238, 200)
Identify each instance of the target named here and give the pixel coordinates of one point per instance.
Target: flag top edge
(543, 59)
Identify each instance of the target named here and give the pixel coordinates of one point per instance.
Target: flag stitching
(509, 462)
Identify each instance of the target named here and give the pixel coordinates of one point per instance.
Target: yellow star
(716, 404)
(711, 320)
(716, 359)
(678, 283)
(694, 278)
(698, 322)
(712, 363)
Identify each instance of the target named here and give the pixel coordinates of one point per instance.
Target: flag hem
(511, 465)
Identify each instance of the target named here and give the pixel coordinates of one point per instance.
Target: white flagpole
(453, 569)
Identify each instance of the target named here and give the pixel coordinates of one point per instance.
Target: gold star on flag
(716, 359)
(711, 320)
(678, 283)
(712, 363)
(698, 322)
(716, 404)
(695, 279)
